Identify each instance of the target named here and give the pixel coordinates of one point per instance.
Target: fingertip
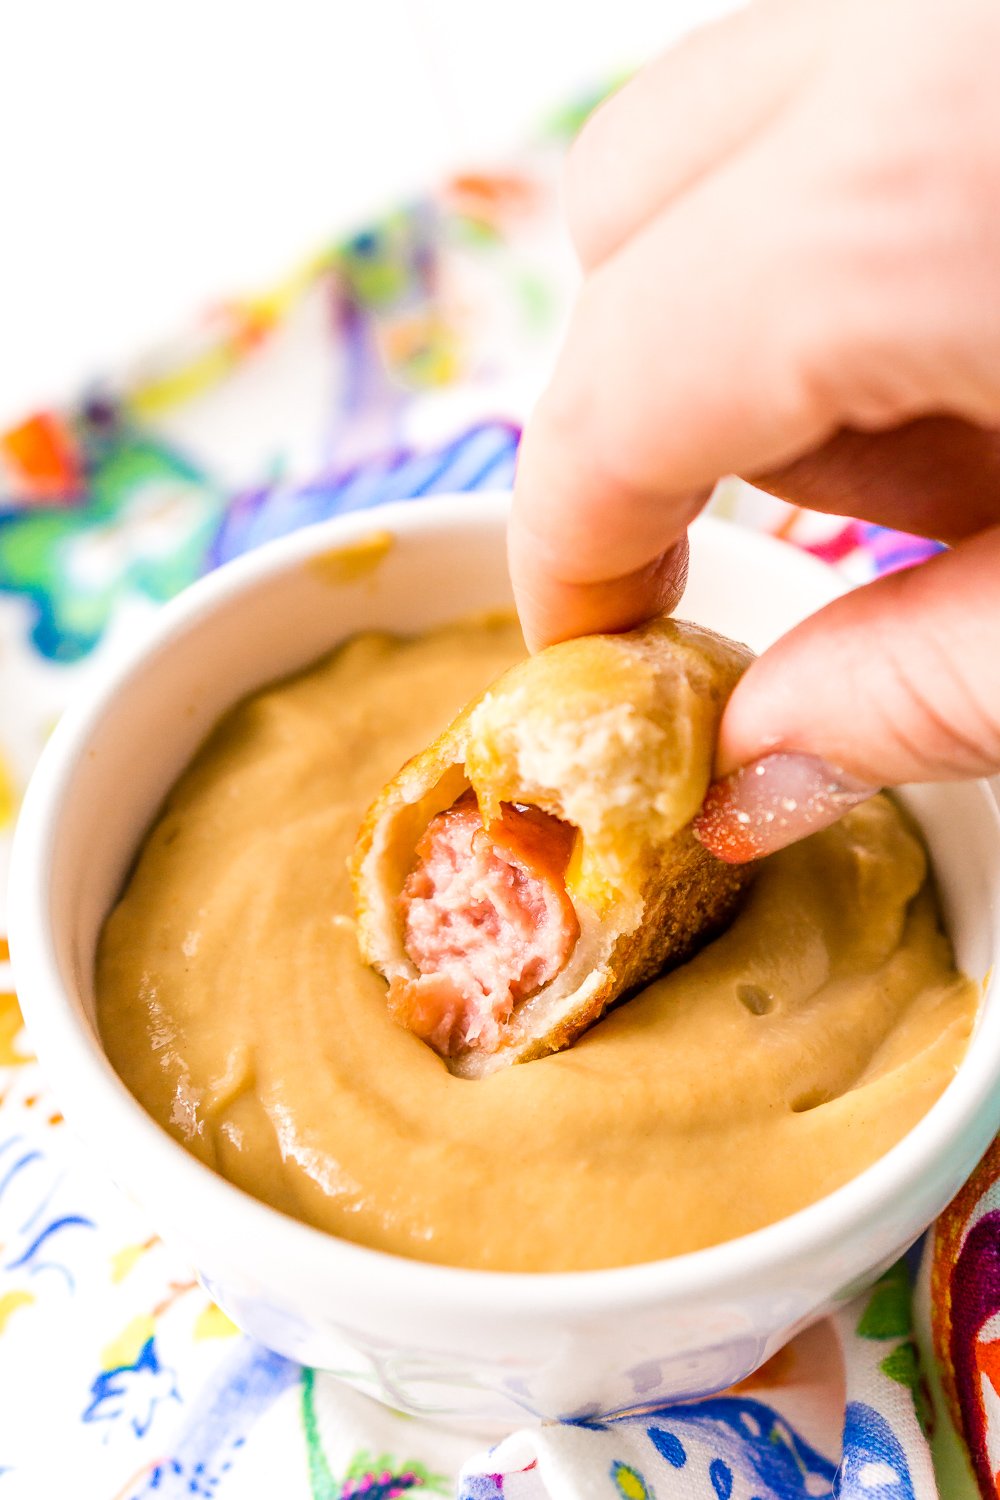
(894, 682)
(551, 609)
(773, 802)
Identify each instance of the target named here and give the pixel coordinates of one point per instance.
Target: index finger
(683, 113)
(688, 357)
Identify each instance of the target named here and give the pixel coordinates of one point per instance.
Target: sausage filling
(487, 922)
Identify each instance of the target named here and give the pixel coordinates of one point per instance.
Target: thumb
(898, 681)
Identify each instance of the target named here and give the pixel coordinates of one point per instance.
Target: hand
(790, 234)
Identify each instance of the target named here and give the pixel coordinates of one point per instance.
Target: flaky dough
(614, 734)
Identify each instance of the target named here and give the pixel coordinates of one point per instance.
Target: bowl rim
(115, 1124)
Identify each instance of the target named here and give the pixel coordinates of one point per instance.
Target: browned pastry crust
(614, 734)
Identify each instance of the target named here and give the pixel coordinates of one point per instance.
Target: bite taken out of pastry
(536, 863)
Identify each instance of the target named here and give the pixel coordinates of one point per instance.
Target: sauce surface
(788, 1055)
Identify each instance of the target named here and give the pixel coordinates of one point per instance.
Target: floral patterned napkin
(395, 364)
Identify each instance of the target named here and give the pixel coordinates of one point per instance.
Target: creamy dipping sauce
(787, 1056)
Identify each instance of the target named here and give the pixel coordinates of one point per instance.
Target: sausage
(487, 921)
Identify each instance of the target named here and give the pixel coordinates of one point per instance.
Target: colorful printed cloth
(396, 364)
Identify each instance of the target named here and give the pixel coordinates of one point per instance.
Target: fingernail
(773, 802)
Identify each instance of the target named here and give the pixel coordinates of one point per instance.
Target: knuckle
(852, 371)
(579, 409)
(583, 199)
(561, 416)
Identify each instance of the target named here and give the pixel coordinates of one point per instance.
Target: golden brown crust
(614, 734)
(694, 900)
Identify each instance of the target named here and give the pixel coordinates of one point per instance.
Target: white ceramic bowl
(483, 1346)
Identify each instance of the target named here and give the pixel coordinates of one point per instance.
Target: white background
(157, 154)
